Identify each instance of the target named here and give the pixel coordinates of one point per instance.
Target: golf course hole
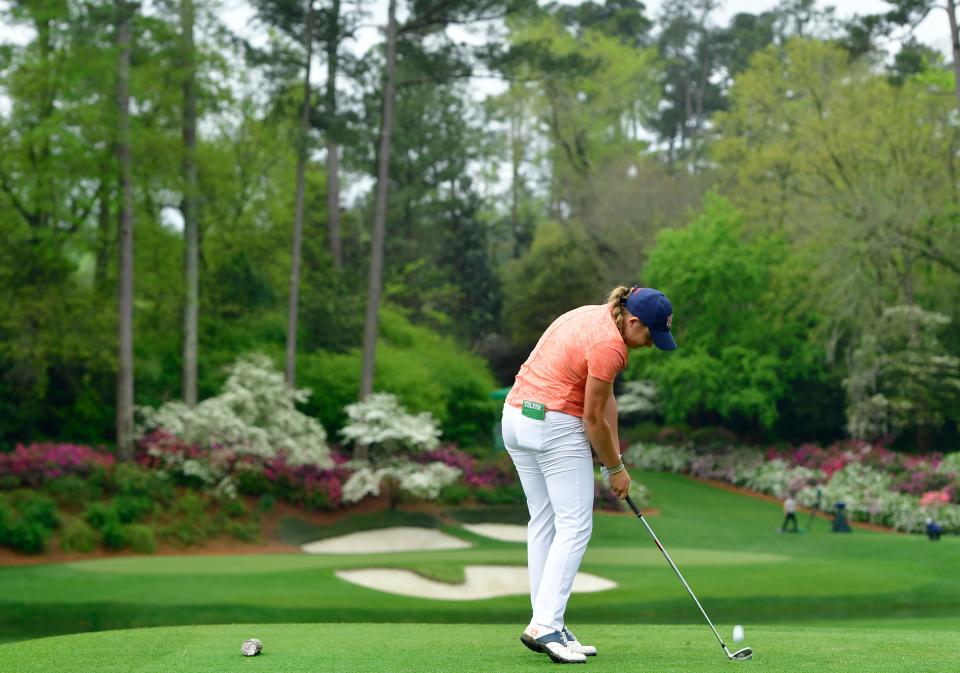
(480, 582)
(398, 539)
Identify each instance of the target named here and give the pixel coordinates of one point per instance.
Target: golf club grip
(633, 506)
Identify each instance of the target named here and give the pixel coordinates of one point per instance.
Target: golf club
(739, 655)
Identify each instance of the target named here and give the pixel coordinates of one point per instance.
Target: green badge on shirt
(534, 410)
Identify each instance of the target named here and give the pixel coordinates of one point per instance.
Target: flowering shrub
(414, 479)
(638, 399)
(660, 457)
(381, 422)
(228, 473)
(190, 465)
(876, 485)
(476, 474)
(778, 478)
(37, 464)
(865, 491)
(732, 465)
(255, 414)
(935, 498)
(307, 485)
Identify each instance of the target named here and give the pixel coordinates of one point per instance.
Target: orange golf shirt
(581, 342)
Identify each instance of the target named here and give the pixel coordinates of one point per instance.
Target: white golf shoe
(552, 643)
(577, 646)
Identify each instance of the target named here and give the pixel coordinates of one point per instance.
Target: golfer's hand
(620, 484)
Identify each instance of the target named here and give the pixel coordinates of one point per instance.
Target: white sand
(401, 538)
(481, 582)
(505, 532)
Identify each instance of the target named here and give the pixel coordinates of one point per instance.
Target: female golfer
(562, 404)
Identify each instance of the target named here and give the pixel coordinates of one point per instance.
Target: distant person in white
(790, 514)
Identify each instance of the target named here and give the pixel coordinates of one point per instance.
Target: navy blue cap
(654, 310)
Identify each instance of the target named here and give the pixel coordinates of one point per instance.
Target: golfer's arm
(596, 400)
(610, 413)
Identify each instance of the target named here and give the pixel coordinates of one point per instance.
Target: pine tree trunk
(333, 160)
(125, 281)
(955, 42)
(190, 225)
(103, 236)
(515, 153)
(379, 223)
(298, 209)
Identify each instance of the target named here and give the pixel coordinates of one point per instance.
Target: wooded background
(173, 196)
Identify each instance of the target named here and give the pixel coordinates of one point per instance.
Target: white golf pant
(555, 465)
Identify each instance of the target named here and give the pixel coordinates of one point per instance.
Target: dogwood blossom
(255, 414)
(383, 424)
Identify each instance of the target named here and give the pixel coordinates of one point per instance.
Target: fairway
(817, 601)
(397, 648)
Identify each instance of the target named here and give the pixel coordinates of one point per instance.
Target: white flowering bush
(659, 457)
(910, 517)
(868, 480)
(778, 478)
(864, 490)
(255, 415)
(383, 424)
(363, 482)
(639, 398)
(733, 466)
(950, 464)
(413, 479)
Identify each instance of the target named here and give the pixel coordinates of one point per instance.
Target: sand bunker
(401, 538)
(481, 582)
(505, 532)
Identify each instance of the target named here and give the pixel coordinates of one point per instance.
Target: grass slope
(413, 648)
(725, 544)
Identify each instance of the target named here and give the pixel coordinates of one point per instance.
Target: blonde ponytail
(615, 302)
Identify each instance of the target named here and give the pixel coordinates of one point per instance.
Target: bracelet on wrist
(617, 468)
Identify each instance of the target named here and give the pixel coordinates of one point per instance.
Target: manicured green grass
(725, 544)
(414, 648)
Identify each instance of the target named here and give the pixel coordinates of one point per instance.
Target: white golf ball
(737, 633)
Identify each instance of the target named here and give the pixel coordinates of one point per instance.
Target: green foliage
(130, 508)
(77, 535)
(129, 479)
(114, 535)
(100, 514)
(500, 495)
(560, 271)
(741, 338)
(74, 490)
(245, 531)
(900, 377)
(27, 520)
(428, 372)
(856, 172)
(189, 523)
(141, 538)
(454, 494)
(36, 507)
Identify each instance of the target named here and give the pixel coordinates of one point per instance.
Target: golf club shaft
(636, 510)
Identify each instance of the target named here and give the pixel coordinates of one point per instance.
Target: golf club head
(741, 655)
